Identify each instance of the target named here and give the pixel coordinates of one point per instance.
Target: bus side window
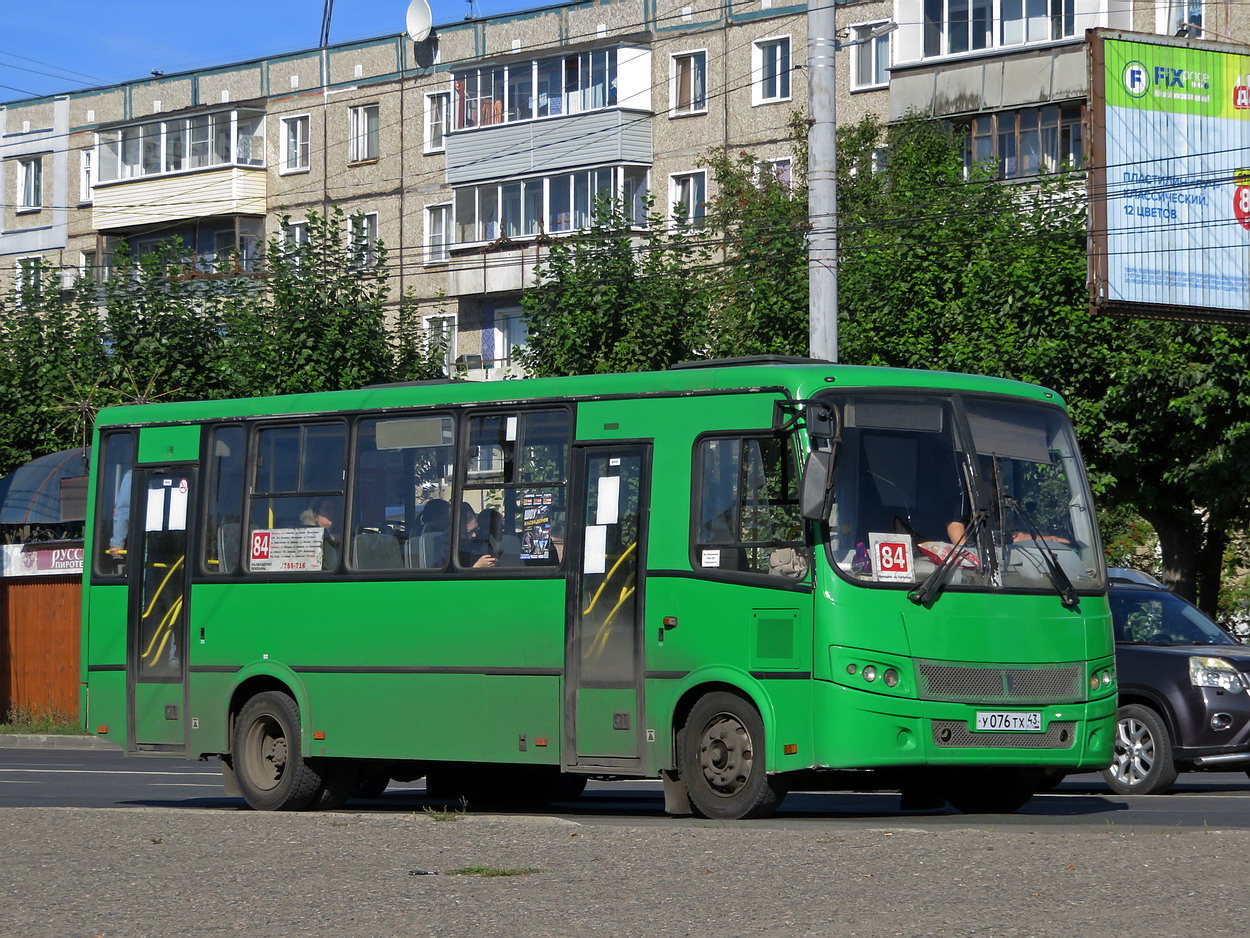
(746, 508)
(514, 496)
(295, 518)
(112, 507)
(403, 465)
(223, 521)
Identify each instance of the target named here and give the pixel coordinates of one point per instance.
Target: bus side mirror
(814, 495)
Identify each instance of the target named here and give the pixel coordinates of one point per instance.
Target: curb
(55, 741)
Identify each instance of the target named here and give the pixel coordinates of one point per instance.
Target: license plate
(1009, 721)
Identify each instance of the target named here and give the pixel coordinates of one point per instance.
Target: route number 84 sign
(891, 557)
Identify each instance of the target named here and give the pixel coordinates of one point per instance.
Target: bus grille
(1060, 683)
(954, 734)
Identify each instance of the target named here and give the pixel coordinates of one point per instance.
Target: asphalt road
(95, 844)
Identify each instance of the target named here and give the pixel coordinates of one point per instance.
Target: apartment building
(1013, 74)
(464, 153)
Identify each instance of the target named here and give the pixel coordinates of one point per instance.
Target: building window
(441, 331)
(511, 334)
(89, 267)
(364, 133)
(294, 236)
(295, 143)
(1180, 18)
(540, 88)
(781, 169)
(689, 198)
(771, 70)
(553, 204)
(1019, 144)
(436, 110)
(870, 57)
(30, 184)
(688, 87)
(364, 239)
(205, 141)
(85, 175)
(955, 26)
(30, 276)
(437, 233)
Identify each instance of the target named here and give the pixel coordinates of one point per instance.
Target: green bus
(741, 577)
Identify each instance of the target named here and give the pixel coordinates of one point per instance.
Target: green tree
(51, 359)
(616, 298)
(758, 223)
(320, 323)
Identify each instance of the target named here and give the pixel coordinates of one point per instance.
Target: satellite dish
(419, 20)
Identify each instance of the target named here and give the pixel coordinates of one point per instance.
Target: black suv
(1184, 688)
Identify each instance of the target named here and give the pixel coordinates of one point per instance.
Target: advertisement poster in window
(536, 525)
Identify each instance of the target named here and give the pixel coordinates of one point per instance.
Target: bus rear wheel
(269, 765)
(721, 758)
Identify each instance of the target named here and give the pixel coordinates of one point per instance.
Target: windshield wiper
(1063, 586)
(927, 592)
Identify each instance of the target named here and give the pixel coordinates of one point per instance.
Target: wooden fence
(39, 630)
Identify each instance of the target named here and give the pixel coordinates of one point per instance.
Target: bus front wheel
(269, 765)
(721, 755)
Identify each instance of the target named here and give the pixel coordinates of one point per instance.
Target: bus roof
(801, 378)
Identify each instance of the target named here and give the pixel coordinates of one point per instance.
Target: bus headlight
(1215, 672)
(1102, 679)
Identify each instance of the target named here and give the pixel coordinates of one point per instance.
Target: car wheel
(1143, 754)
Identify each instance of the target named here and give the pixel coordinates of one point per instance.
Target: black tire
(1050, 778)
(570, 787)
(370, 785)
(339, 778)
(721, 756)
(1142, 763)
(269, 765)
(990, 791)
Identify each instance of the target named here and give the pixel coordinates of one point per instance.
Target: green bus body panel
(375, 649)
(169, 444)
(472, 668)
(155, 723)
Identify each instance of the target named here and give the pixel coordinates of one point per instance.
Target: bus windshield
(997, 482)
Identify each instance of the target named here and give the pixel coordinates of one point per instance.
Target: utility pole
(822, 181)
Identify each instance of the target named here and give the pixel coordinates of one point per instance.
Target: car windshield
(1158, 617)
(996, 482)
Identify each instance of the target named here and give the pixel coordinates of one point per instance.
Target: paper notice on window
(286, 549)
(154, 516)
(711, 558)
(178, 506)
(596, 554)
(607, 511)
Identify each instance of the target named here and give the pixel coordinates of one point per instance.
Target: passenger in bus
(121, 519)
(488, 545)
(323, 513)
(434, 542)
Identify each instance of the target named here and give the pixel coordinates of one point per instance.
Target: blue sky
(54, 46)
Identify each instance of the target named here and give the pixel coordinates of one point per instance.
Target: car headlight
(1215, 672)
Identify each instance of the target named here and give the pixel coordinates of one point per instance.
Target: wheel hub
(725, 754)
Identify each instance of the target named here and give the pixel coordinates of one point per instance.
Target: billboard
(1169, 177)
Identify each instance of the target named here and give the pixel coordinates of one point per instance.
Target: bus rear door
(157, 632)
(603, 703)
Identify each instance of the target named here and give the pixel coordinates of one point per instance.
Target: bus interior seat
(228, 547)
(508, 551)
(374, 549)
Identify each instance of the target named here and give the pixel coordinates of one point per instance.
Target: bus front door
(157, 621)
(603, 697)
